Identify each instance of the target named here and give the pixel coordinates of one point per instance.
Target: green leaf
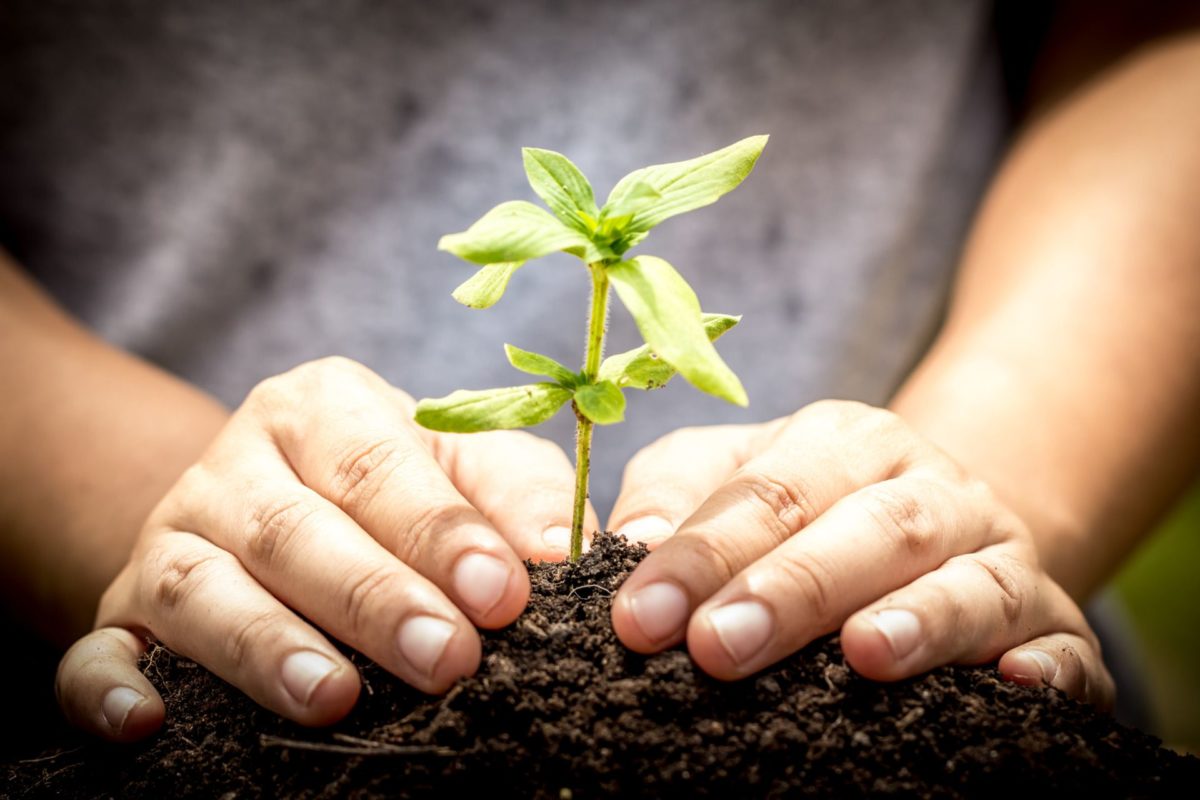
(514, 231)
(537, 364)
(492, 409)
(562, 186)
(683, 185)
(639, 196)
(668, 314)
(486, 287)
(641, 368)
(601, 402)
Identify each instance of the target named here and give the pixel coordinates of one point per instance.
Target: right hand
(322, 499)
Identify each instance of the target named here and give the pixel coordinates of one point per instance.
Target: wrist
(983, 411)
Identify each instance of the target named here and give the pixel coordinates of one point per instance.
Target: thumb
(665, 482)
(101, 690)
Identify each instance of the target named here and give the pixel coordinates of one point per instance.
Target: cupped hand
(768, 536)
(322, 505)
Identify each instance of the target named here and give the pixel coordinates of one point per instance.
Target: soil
(560, 709)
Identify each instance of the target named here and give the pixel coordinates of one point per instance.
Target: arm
(317, 503)
(92, 438)
(1068, 372)
(1061, 396)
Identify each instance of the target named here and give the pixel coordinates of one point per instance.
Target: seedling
(678, 336)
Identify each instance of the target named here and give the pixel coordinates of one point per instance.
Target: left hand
(839, 516)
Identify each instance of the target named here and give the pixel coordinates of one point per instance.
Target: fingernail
(303, 672)
(481, 581)
(423, 640)
(743, 628)
(659, 610)
(901, 628)
(558, 538)
(1034, 666)
(650, 530)
(117, 705)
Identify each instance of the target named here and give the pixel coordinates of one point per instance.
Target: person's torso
(230, 189)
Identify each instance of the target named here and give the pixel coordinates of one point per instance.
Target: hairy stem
(583, 458)
(597, 326)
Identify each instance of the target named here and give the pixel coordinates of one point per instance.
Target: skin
(1050, 424)
(1003, 485)
(317, 497)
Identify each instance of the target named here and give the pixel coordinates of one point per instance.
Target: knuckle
(1010, 577)
(271, 393)
(850, 421)
(423, 531)
(337, 365)
(959, 476)
(275, 525)
(1006, 525)
(327, 368)
(810, 585)
(884, 429)
(177, 575)
(975, 490)
(332, 375)
(247, 636)
(360, 474)
(361, 595)
(832, 409)
(195, 481)
(843, 414)
(784, 503)
(278, 391)
(179, 508)
(903, 516)
(876, 417)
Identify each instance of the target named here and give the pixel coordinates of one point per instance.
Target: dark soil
(559, 709)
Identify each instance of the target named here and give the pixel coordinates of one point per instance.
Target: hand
(839, 515)
(322, 499)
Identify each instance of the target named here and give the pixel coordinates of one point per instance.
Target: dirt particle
(560, 709)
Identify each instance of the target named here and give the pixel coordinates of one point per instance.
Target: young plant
(678, 336)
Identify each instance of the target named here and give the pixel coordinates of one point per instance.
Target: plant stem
(597, 326)
(583, 458)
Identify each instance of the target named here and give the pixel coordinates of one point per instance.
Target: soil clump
(559, 709)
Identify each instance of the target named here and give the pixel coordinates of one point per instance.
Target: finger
(1065, 661)
(101, 690)
(824, 452)
(970, 610)
(314, 558)
(348, 436)
(665, 482)
(811, 583)
(199, 601)
(522, 483)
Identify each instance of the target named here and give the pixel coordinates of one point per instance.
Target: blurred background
(1159, 593)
